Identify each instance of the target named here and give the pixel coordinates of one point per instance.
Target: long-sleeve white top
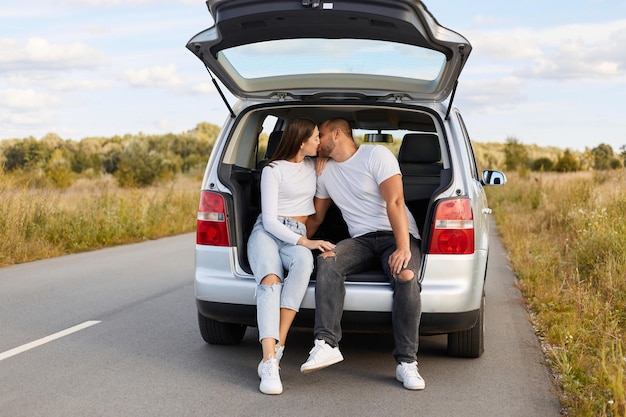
(287, 190)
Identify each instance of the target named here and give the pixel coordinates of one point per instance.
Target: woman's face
(310, 145)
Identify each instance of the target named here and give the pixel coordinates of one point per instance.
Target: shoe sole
(318, 367)
(271, 392)
(419, 387)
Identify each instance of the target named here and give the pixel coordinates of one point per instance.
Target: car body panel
(280, 48)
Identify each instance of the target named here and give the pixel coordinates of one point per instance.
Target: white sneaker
(279, 354)
(410, 377)
(270, 379)
(321, 356)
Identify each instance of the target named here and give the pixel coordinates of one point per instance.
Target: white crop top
(287, 189)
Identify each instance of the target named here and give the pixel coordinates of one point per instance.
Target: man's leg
(405, 315)
(407, 307)
(349, 256)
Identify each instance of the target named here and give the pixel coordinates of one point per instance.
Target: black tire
(469, 343)
(219, 333)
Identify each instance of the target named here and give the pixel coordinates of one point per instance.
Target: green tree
(26, 154)
(515, 154)
(567, 162)
(58, 170)
(206, 132)
(543, 164)
(138, 166)
(111, 155)
(602, 156)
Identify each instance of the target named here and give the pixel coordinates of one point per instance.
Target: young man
(366, 184)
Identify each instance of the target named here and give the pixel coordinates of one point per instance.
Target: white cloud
(25, 99)
(581, 51)
(38, 53)
(55, 82)
(156, 76)
(203, 88)
(15, 123)
(504, 93)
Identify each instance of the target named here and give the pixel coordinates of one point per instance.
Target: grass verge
(38, 223)
(566, 238)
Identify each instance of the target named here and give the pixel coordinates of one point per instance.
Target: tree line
(134, 160)
(141, 160)
(602, 157)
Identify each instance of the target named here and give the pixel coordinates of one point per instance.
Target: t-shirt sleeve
(270, 182)
(384, 164)
(320, 189)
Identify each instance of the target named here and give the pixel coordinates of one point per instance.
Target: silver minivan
(391, 70)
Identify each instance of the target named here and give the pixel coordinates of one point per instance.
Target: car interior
(422, 157)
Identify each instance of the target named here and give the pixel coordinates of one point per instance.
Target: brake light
(453, 230)
(211, 224)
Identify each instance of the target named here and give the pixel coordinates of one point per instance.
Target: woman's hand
(322, 245)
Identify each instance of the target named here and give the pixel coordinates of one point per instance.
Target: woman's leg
(268, 314)
(267, 267)
(287, 316)
(298, 260)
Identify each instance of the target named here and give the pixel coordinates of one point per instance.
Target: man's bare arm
(392, 191)
(315, 220)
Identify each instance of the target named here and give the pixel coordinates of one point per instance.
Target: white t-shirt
(354, 186)
(287, 189)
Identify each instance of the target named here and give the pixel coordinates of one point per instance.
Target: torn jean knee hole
(327, 255)
(403, 272)
(265, 288)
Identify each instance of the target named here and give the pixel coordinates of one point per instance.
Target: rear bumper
(357, 321)
(451, 294)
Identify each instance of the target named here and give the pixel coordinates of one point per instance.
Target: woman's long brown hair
(298, 130)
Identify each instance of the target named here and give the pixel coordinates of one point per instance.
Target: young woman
(278, 243)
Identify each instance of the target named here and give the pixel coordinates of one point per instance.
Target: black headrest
(272, 143)
(419, 148)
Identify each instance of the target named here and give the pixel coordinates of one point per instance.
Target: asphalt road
(137, 351)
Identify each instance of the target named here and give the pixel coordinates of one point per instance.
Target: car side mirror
(493, 177)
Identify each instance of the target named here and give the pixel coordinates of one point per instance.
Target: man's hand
(399, 260)
(320, 163)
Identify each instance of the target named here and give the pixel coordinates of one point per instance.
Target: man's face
(327, 143)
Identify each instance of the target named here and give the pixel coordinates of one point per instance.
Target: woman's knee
(270, 280)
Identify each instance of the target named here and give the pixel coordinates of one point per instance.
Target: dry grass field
(566, 238)
(38, 223)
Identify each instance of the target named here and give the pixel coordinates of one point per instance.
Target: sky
(551, 73)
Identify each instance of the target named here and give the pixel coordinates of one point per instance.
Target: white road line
(44, 340)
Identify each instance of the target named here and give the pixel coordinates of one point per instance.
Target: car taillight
(453, 228)
(211, 229)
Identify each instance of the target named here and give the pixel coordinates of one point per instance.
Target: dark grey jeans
(370, 251)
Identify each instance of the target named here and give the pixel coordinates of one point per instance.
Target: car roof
(389, 49)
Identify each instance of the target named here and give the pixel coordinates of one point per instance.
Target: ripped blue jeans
(292, 264)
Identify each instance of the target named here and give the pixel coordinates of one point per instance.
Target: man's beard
(324, 151)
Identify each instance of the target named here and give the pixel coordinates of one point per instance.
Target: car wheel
(219, 333)
(469, 343)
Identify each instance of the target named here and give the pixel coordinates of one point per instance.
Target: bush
(567, 162)
(26, 154)
(138, 166)
(543, 164)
